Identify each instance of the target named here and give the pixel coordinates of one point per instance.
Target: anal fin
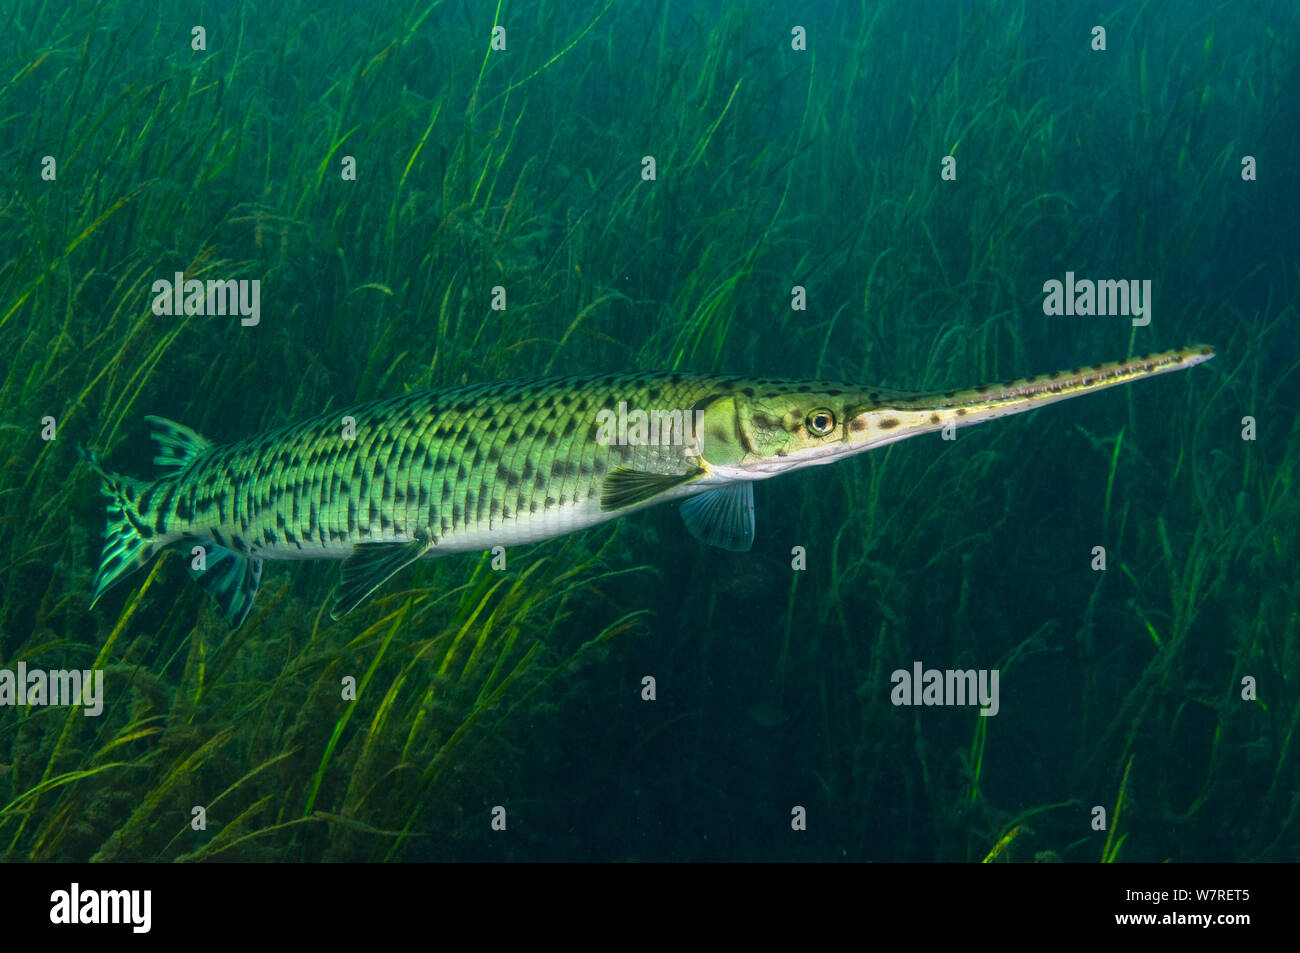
(231, 579)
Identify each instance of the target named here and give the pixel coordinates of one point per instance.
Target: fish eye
(820, 422)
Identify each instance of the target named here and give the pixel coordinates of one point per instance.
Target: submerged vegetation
(522, 168)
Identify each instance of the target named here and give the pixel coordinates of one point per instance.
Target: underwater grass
(523, 170)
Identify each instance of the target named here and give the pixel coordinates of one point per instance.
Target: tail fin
(127, 542)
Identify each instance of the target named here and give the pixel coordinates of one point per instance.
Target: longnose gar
(385, 483)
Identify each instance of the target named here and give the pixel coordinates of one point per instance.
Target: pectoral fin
(723, 517)
(624, 487)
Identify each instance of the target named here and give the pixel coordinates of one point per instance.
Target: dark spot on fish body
(934, 418)
(166, 507)
(143, 529)
(889, 423)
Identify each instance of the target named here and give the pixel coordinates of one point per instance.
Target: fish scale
(481, 465)
(407, 452)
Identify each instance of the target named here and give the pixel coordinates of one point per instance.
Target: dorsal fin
(177, 445)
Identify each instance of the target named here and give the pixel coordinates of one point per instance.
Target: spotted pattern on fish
(480, 465)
